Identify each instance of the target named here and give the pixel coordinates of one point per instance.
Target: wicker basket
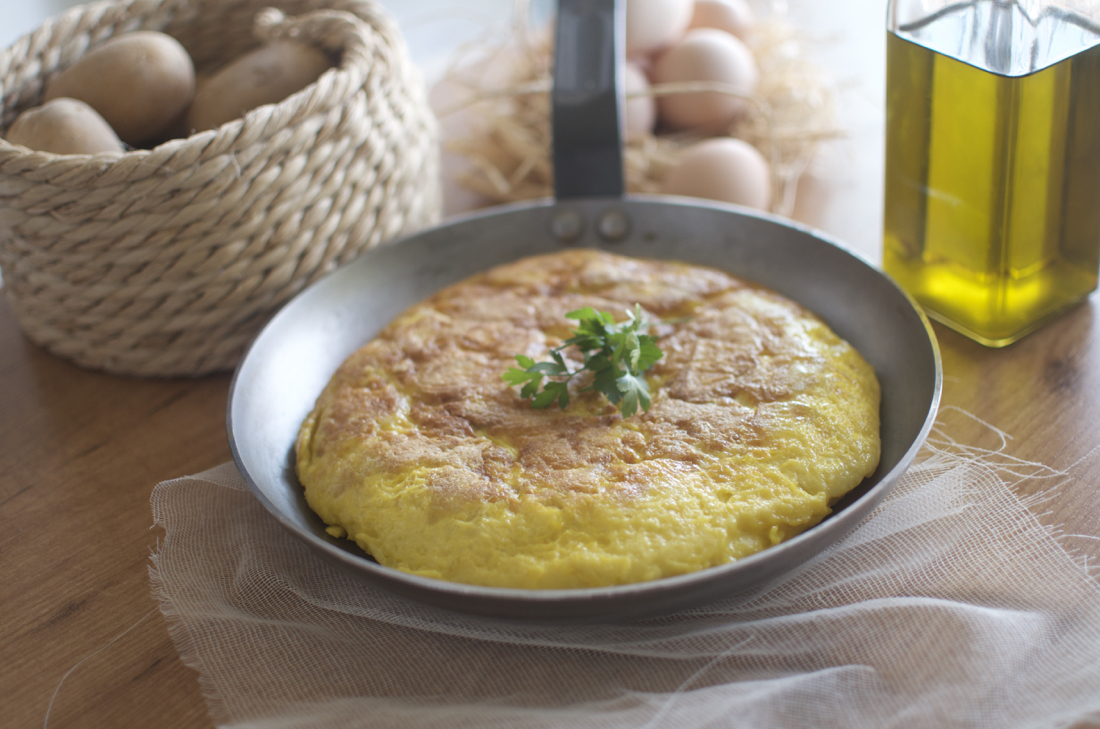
(168, 261)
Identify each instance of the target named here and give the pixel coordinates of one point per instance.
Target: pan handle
(587, 99)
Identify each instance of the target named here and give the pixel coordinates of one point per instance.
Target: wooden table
(80, 452)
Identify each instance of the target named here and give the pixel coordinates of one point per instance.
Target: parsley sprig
(616, 353)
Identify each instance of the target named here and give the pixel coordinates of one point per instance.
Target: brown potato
(266, 75)
(64, 126)
(140, 82)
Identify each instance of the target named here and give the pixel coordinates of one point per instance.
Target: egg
(655, 24)
(708, 55)
(724, 169)
(640, 111)
(733, 16)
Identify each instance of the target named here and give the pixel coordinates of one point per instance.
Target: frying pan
(289, 363)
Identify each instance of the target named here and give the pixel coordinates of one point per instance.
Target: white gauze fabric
(953, 605)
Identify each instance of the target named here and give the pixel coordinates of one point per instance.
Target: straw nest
(496, 114)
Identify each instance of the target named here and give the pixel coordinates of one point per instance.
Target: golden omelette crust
(421, 453)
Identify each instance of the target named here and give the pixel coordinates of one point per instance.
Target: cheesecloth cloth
(953, 605)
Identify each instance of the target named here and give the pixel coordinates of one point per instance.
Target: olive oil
(992, 217)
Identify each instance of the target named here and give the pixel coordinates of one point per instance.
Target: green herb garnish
(616, 354)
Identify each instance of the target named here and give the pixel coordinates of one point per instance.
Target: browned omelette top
(421, 453)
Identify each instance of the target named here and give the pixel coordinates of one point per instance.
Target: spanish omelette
(418, 450)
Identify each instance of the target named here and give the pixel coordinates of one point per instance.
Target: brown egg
(640, 111)
(655, 24)
(707, 55)
(733, 16)
(724, 169)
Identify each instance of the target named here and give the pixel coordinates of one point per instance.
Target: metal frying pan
(293, 358)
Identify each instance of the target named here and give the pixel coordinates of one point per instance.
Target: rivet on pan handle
(587, 138)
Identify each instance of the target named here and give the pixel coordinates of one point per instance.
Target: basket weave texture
(168, 261)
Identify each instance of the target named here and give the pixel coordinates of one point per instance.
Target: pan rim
(387, 577)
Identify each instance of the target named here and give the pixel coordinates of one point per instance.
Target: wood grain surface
(82, 452)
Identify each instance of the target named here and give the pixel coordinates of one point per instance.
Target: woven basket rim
(166, 261)
(346, 73)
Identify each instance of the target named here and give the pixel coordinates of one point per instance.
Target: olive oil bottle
(992, 209)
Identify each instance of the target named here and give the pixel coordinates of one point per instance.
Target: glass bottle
(992, 188)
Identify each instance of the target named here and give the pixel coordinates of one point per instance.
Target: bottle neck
(1006, 37)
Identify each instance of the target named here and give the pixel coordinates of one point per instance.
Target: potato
(266, 75)
(64, 126)
(140, 82)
